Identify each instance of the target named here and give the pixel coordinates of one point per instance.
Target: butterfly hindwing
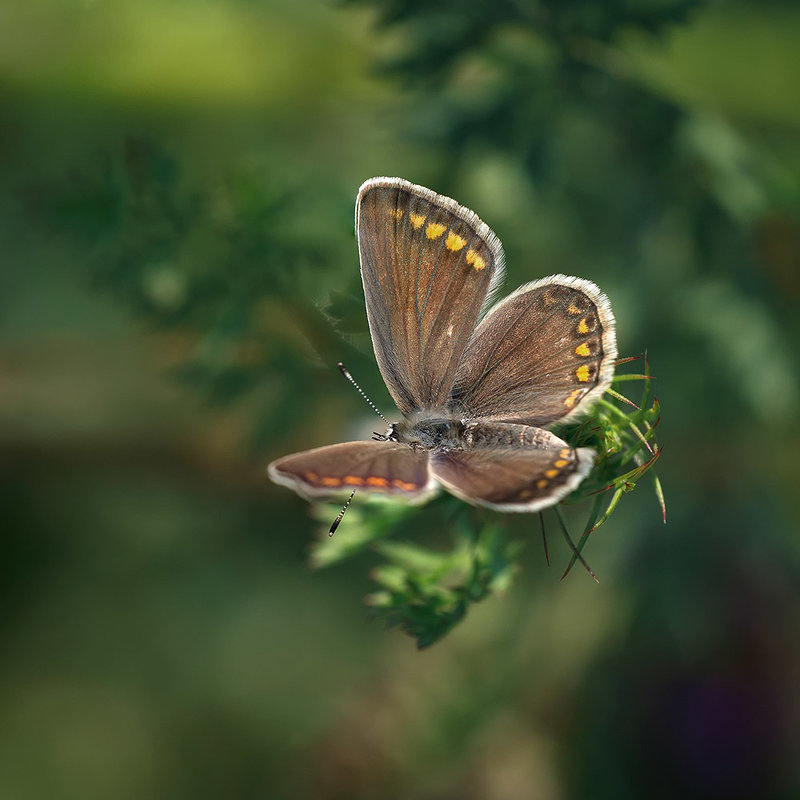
(540, 355)
(513, 478)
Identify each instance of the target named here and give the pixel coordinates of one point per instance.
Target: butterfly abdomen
(498, 434)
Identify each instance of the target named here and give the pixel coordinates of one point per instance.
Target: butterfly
(477, 384)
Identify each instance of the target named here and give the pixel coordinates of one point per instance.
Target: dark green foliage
(424, 590)
(426, 593)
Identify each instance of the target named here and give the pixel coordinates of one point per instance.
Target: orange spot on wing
(551, 473)
(374, 480)
(397, 213)
(416, 220)
(474, 260)
(404, 485)
(353, 480)
(562, 462)
(564, 453)
(542, 483)
(435, 230)
(582, 373)
(454, 241)
(573, 309)
(330, 481)
(572, 398)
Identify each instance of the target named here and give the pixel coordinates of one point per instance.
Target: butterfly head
(391, 434)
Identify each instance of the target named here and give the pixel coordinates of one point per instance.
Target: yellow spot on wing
(454, 241)
(583, 350)
(562, 462)
(397, 213)
(573, 309)
(475, 260)
(569, 402)
(541, 483)
(564, 453)
(416, 220)
(583, 326)
(551, 473)
(582, 373)
(435, 230)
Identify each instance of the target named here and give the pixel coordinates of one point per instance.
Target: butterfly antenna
(372, 405)
(341, 514)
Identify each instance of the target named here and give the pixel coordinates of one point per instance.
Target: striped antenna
(352, 380)
(341, 514)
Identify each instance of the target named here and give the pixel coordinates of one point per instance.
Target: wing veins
(475, 235)
(488, 369)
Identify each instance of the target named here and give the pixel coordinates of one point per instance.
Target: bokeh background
(178, 278)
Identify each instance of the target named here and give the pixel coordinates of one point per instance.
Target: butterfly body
(476, 388)
(458, 434)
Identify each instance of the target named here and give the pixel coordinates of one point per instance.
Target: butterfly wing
(427, 264)
(514, 479)
(542, 354)
(384, 468)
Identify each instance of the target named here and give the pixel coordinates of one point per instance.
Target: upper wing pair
(428, 266)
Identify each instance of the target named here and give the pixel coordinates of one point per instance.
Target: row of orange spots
(543, 483)
(375, 481)
(433, 230)
(582, 373)
(558, 465)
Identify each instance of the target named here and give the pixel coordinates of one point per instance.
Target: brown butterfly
(476, 390)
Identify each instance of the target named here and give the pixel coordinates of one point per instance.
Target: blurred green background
(177, 282)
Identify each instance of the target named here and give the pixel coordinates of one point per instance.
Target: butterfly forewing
(379, 467)
(540, 355)
(427, 265)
